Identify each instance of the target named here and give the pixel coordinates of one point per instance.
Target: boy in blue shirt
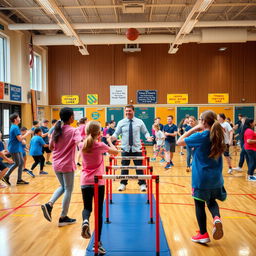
(170, 132)
(207, 179)
(36, 150)
(23, 131)
(15, 149)
(45, 136)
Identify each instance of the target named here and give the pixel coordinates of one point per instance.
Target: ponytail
(92, 131)
(217, 141)
(216, 134)
(65, 115)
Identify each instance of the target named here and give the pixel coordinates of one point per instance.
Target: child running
(63, 143)
(36, 150)
(93, 164)
(207, 179)
(15, 149)
(160, 138)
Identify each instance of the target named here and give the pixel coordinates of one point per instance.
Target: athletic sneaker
(238, 169)
(162, 160)
(86, 230)
(122, 187)
(171, 163)
(6, 180)
(168, 166)
(29, 172)
(143, 188)
(202, 239)
(181, 153)
(188, 169)
(101, 250)
(230, 170)
(49, 163)
(153, 159)
(47, 211)
(251, 178)
(22, 182)
(78, 164)
(43, 172)
(66, 221)
(217, 231)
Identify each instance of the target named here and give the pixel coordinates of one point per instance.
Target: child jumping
(93, 164)
(160, 138)
(207, 179)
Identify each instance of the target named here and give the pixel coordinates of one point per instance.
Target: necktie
(130, 134)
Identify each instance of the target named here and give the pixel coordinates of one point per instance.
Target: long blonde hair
(92, 131)
(216, 134)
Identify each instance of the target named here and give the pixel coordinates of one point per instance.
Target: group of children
(17, 149)
(206, 140)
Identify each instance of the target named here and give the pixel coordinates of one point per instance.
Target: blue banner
(147, 97)
(15, 92)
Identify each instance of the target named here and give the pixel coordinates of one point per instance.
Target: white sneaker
(143, 188)
(122, 187)
(238, 169)
(230, 171)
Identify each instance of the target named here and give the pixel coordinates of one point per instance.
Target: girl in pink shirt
(63, 144)
(93, 164)
(250, 146)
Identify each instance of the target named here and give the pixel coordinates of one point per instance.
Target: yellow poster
(96, 114)
(70, 99)
(177, 98)
(218, 98)
(92, 99)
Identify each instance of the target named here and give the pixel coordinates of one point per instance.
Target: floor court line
(18, 207)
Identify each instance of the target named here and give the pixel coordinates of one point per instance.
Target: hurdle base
(147, 202)
(151, 221)
(158, 254)
(111, 202)
(107, 221)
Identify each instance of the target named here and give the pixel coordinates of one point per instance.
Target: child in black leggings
(207, 179)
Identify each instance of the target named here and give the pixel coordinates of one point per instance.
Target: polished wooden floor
(24, 231)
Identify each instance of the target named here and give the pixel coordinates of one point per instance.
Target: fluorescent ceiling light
(173, 50)
(204, 5)
(189, 26)
(65, 29)
(222, 49)
(83, 51)
(47, 6)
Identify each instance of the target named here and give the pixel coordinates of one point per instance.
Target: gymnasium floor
(24, 231)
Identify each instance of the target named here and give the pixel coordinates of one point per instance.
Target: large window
(36, 74)
(3, 59)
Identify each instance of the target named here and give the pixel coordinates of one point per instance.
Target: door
(245, 111)
(164, 112)
(147, 115)
(183, 111)
(115, 114)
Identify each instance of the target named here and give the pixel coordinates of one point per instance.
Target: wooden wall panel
(196, 69)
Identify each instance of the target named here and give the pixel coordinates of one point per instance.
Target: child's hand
(9, 160)
(198, 127)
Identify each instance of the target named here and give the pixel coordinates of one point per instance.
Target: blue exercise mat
(129, 233)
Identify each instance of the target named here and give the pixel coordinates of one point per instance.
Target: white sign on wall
(118, 94)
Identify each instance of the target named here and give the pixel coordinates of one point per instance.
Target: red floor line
(18, 207)
(227, 209)
(253, 197)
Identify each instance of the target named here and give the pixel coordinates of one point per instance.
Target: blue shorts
(207, 194)
(169, 146)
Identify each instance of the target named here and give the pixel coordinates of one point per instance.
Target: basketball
(132, 34)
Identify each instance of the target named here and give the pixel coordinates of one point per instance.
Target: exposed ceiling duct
(205, 36)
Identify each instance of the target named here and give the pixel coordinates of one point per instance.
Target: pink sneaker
(202, 239)
(217, 231)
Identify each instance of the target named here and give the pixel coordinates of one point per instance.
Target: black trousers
(38, 159)
(88, 194)
(201, 215)
(136, 162)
